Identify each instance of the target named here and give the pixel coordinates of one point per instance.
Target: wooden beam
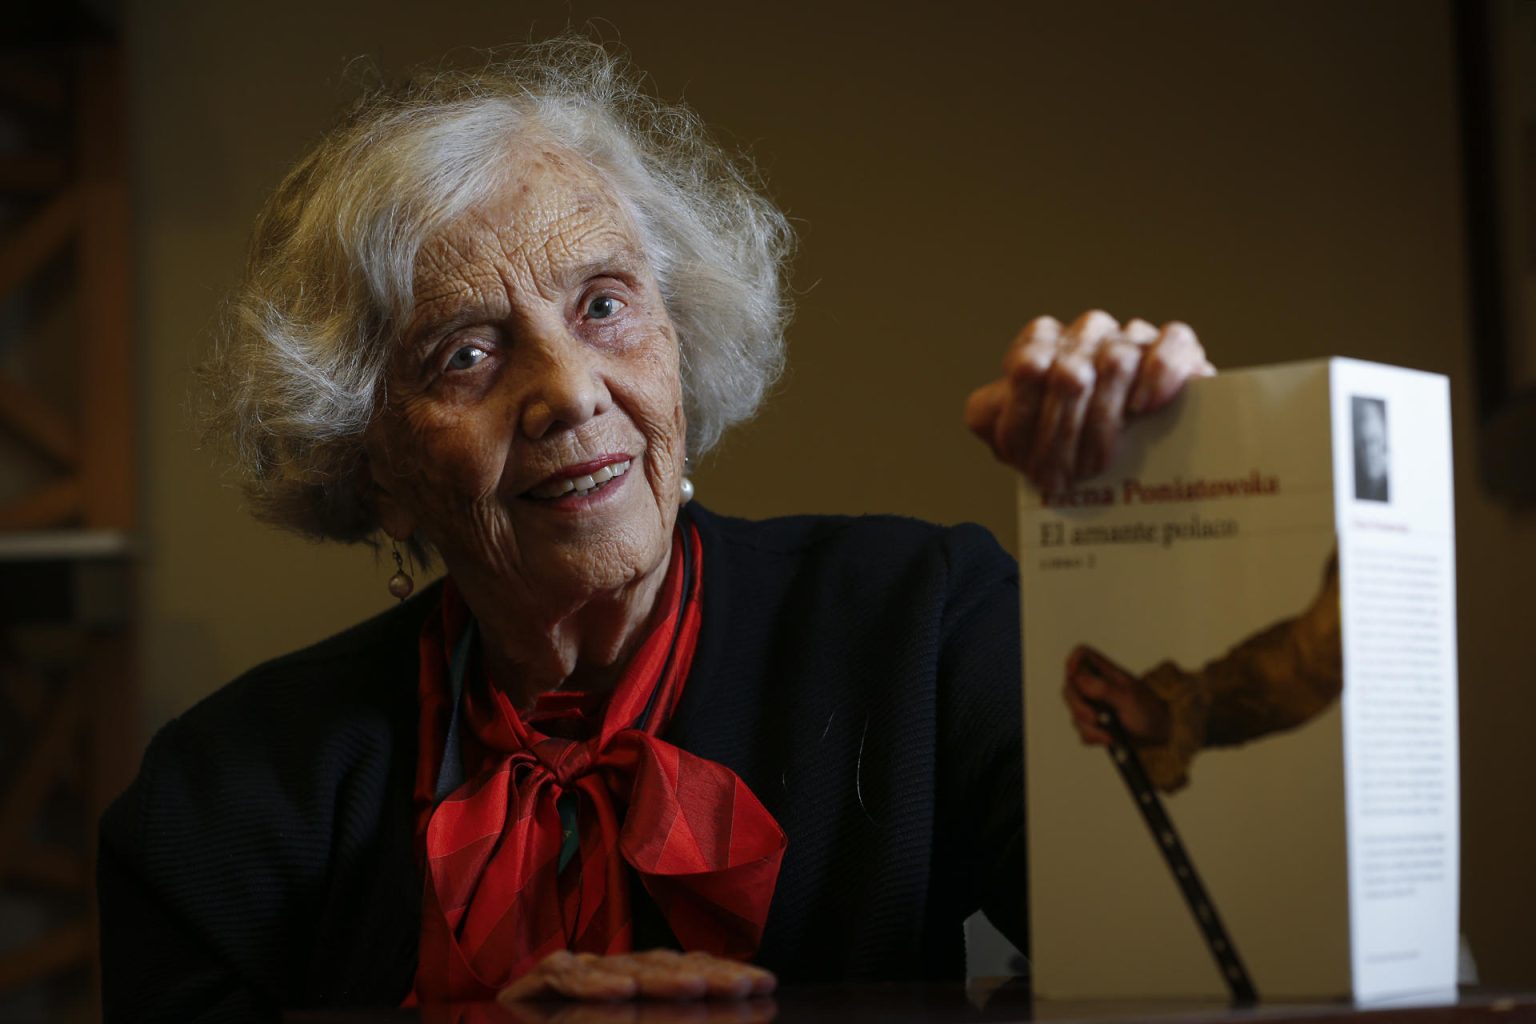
(32, 172)
(63, 947)
(106, 295)
(30, 785)
(35, 421)
(53, 504)
(38, 240)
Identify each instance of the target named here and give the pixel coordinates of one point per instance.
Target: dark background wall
(1283, 175)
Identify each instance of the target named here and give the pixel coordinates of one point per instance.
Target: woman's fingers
(982, 410)
(535, 983)
(1139, 331)
(1171, 361)
(1115, 366)
(589, 978)
(1068, 390)
(667, 974)
(1033, 348)
(581, 976)
(730, 979)
(1057, 413)
(670, 983)
(1025, 368)
(1116, 363)
(725, 979)
(661, 974)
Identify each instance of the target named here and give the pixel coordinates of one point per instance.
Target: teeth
(552, 490)
(581, 485)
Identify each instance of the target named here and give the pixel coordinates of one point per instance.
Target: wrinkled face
(534, 430)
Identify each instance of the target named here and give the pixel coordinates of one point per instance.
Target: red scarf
(506, 882)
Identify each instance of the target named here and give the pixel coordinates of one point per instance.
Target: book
(1260, 592)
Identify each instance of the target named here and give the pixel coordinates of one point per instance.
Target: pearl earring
(685, 488)
(400, 584)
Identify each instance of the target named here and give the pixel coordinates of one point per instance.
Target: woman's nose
(565, 385)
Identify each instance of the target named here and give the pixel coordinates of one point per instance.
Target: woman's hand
(1056, 413)
(1093, 677)
(658, 974)
(715, 1011)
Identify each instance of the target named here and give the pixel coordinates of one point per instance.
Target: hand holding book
(1065, 393)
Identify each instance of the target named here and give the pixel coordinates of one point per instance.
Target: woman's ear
(383, 487)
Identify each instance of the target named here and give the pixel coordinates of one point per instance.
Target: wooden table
(904, 1003)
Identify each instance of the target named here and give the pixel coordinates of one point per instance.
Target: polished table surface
(899, 1003)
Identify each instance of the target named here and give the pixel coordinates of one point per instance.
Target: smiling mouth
(580, 485)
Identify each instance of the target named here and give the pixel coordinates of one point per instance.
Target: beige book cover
(1261, 587)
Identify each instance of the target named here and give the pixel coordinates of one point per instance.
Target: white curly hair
(298, 370)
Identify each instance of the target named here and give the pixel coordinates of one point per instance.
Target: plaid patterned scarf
(530, 854)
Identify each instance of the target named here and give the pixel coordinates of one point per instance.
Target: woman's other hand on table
(1057, 411)
(711, 1011)
(657, 974)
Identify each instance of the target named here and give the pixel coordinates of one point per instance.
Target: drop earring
(685, 488)
(400, 584)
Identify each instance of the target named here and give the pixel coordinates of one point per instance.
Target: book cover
(1261, 587)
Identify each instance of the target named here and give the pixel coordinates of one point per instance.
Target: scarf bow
(531, 854)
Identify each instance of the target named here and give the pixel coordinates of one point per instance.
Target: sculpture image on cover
(1256, 600)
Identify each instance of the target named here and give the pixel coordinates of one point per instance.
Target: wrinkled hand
(713, 1011)
(658, 974)
(1093, 677)
(1056, 413)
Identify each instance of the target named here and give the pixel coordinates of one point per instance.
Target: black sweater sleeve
(980, 771)
(159, 963)
(262, 859)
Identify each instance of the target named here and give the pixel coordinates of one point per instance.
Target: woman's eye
(465, 358)
(602, 307)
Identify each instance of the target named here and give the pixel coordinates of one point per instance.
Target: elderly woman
(488, 319)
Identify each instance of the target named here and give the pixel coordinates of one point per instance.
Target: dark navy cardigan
(861, 675)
